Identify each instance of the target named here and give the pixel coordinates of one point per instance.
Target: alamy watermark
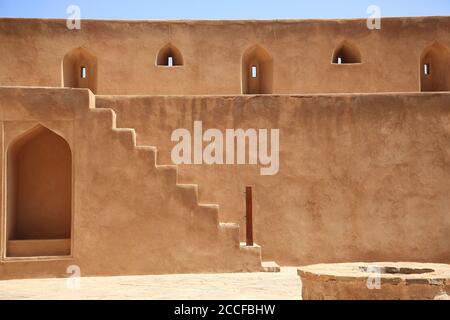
(73, 282)
(221, 149)
(374, 20)
(374, 279)
(73, 21)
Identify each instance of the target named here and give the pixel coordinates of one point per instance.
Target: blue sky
(221, 9)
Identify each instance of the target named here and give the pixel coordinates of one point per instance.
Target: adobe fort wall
(88, 179)
(127, 214)
(361, 177)
(213, 57)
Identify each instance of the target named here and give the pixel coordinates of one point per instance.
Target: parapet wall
(214, 57)
(361, 177)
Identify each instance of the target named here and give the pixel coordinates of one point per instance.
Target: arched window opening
(39, 195)
(435, 68)
(80, 70)
(257, 71)
(346, 53)
(169, 56)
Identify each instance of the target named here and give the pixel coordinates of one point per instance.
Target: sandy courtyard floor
(226, 286)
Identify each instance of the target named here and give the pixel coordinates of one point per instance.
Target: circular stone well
(377, 280)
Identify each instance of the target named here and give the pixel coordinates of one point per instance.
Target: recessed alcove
(169, 56)
(435, 68)
(257, 71)
(79, 70)
(39, 194)
(346, 53)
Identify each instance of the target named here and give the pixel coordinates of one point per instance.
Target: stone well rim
(439, 275)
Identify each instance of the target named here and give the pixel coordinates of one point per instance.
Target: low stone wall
(375, 281)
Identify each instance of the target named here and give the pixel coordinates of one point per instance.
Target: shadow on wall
(435, 68)
(257, 71)
(79, 70)
(39, 194)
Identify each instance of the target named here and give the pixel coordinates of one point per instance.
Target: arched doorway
(346, 53)
(79, 70)
(39, 194)
(257, 71)
(435, 68)
(169, 56)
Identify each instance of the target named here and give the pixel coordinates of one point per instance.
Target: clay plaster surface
(362, 177)
(301, 50)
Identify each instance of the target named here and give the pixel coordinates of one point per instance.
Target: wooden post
(248, 216)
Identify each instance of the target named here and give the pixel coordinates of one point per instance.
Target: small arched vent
(346, 53)
(169, 56)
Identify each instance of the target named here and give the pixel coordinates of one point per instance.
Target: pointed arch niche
(79, 70)
(39, 195)
(169, 56)
(257, 71)
(346, 53)
(435, 68)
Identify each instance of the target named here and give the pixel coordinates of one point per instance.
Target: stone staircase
(205, 217)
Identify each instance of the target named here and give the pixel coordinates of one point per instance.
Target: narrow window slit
(83, 72)
(426, 69)
(254, 72)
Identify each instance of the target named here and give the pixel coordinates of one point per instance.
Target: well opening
(395, 270)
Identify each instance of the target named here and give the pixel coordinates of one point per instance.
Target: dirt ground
(282, 285)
